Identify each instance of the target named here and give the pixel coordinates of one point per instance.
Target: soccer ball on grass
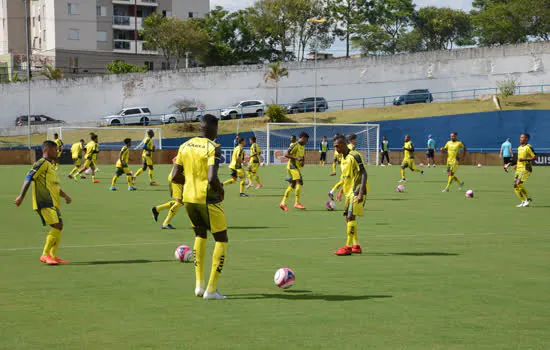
(284, 278)
(183, 253)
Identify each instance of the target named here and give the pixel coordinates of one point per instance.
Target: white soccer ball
(421, 165)
(470, 194)
(330, 205)
(400, 188)
(284, 278)
(183, 253)
(479, 165)
(88, 171)
(262, 164)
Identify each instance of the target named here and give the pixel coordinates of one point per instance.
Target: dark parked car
(36, 120)
(307, 105)
(414, 96)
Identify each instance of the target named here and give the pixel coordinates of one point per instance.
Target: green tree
(158, 33)
(121, 67)
(443, 27)
(275, 74)
(51, 73)
(349, 16)
(500, 22)
(189, 38)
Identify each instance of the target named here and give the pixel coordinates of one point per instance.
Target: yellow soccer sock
(151, 173)
(113, 182)
(337, 186)
(75, 169)
(230, 181)
(523, 191)
(519, 193)
(456, 179)
(449, 181)
(257, 178)
(297, 194)
(199, 253)
(93, 177)
(241, 185)
(165, 206)
(139, 172)
(50, 242)
(56, 234)
(250, 177)
(333, 166)
(172, 212)
(351, 230)
(218, 260)
(402, 174)
(288, 191)
(129, 179)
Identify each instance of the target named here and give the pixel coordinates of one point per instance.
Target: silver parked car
(244, 109)
(129, 116)
(186, 114)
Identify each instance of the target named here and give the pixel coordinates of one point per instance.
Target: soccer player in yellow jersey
(92, 149)
(254, 164)
(355, 190)
(323, 149)
(296, 158)
(453, 148)
(59, 145)
(176, 193)
(236, 166)
(46, 194)
(524, 168)
(408, 159)
(196, 168)
(77, 149)
(352, 141)
(122, 166)
(336, 159)
(147, 157)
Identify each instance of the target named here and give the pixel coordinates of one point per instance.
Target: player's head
(524, 138)
(237, 136)
(304, 138)
(49, 150)
(209, 126)
(252, 139)
(407, 138)
(324, 138)
(55, 136)
(93, 137)
(292, 138)
(128, 141)
(340, 144)
(242, 141)
(82, 141)
(508, 140)
(150, 133)
(454, 134)
(429, 136)
(352, 139)
(383, 137)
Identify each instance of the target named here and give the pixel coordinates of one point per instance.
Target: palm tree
(51, 72)
(275, 73)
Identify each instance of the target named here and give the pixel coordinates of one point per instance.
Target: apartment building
(80, 36)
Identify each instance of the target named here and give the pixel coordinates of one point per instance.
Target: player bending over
(46, 194)
(453, 147)
(254, 164)
(408, 159)
(77, 149)
(295, 155)
(147, 157)
(122, 166)
(236, 166)
(196, 168)
(176, 193)
(92, 149)
(524, 168)
(355, 190)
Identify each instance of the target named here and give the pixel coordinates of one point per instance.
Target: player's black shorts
(507, 159)
(323, 156)
(430, 154)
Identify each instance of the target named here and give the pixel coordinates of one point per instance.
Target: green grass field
(440, 271)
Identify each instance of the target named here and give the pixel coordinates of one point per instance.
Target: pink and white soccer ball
(330, 205)
(470, 194)
(479, 165)
(262, 164)
(421, 165)
(400, 188)
(183, 253)
(284, 278)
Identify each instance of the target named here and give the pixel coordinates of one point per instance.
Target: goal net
(275, 139)
(109, 138)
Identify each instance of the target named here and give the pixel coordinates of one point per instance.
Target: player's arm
(288, 154)
(500, 155)
(213, 179)
(532, 156)
(37, 169)
(120, 158)
(363, 187)
(464, 151)
(68, 199)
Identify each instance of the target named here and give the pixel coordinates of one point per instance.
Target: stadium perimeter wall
(87, 99)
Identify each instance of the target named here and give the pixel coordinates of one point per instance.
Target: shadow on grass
(414, 254)
(306, 295)
(119, 262)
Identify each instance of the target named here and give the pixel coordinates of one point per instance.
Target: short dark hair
(56, 135)
(93, 136)
(304, 134)
(209, 120)
(241, 139)
(127, 140)
(253, 138)
(526, 135)
(81, 140)
(340, 138)
(454, 132)
(49, 143)
(352, 137)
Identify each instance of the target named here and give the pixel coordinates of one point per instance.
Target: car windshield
(236, 104)
(120, 113)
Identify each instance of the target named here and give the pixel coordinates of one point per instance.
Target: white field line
(136, 244)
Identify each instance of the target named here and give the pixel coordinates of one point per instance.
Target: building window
(73, 9)
(150, 65)
(34, 21)
(193, 14)
(74, 34)
(44, 34)
(101, 11)
(40, 43)
(101, 36)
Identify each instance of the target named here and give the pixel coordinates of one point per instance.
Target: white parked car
(129, 116)
(187, 114)
(245, 108)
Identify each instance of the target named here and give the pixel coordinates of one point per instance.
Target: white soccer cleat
(402, 180)
(199, 291)
(526, 203)
(445, 190)
(213, 296)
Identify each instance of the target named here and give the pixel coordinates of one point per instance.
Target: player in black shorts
(430, 154)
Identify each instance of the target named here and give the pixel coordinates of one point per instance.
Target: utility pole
(28, 49)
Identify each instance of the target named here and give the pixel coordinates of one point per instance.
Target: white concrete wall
(90, 98)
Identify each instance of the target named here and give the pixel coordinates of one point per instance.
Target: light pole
(28, 49)
(316, 22)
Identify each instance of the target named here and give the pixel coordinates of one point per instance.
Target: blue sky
(339, 48)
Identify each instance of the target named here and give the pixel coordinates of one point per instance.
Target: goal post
(275, 139)
(109, 138)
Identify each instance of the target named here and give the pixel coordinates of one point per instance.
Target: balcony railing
(127, 22)
(137, 2)
(129, 46)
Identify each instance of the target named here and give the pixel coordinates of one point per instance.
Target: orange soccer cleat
(356, 249)
(94, 181)
(61, 261)
(153, 183)
(259, 186)
(299, 206)
(283, 207)
(332, 174)
(50, 261)
(345, 250)
(43, 258)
